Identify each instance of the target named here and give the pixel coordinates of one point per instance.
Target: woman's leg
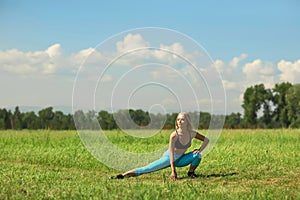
(164, 162)
(189, 158)
(161, 163)
(192, 159)
(130, 173)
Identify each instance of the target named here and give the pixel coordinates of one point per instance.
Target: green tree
(2, 119)
(58, 121)
(266, 101)
(5, 116)
(250, 106)
(233, 120)
(92, 122)
(106, 120)
(46, 115)
(17, 119)
(279, 100)
(170, 121)
(204, 120)
(70, 122)
(256, 97)
(139, 117)
(293, 105)
(64, 122)
(80, 120)
(30, 121)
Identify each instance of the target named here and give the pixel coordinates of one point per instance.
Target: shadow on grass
(211, 175)
(217, 175)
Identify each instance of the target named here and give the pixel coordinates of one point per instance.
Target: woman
(175, 156)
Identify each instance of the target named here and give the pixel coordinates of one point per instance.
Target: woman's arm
(172, 160)
(204, 144)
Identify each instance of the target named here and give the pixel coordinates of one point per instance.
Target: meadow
(244, 164)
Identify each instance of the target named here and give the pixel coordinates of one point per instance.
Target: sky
(46, 48)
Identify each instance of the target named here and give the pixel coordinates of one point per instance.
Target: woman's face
(181, 121)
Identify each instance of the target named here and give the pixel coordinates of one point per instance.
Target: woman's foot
(192, 175)
(119, 176)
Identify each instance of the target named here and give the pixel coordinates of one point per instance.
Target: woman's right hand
(174, 175)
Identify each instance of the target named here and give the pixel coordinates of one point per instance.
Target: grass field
(244, 164)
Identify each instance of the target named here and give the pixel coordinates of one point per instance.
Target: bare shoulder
(173, 135)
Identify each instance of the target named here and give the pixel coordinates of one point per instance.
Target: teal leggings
(164, 162)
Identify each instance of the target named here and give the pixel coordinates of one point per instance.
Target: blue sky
(262, 37)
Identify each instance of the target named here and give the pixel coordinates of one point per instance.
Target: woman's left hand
(174, 175)
(196, 151)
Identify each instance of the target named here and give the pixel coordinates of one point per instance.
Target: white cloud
(237, 77)
(229, 85)
(20, 69)
(15, 61)
(220, 65)
(132, 50)
(289, 71)
(31, 63)
(81, 56)
(49, 69)
(253, 72)
(89, 60)
(257, 67)
(131, 42)
(177, 48)
(164, 73)
(259, 72)
(54, 51)
(132, 55)
(233, 64)
(235, 61)
(48, 61)
(170, 54)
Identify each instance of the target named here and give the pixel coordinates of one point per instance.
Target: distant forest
(278, 107)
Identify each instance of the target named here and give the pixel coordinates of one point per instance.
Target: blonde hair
(187, 118)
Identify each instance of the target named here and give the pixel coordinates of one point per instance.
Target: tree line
(44, 119)
(278, 107)
(47, 118)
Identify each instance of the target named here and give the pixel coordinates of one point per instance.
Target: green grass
(244, 164)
